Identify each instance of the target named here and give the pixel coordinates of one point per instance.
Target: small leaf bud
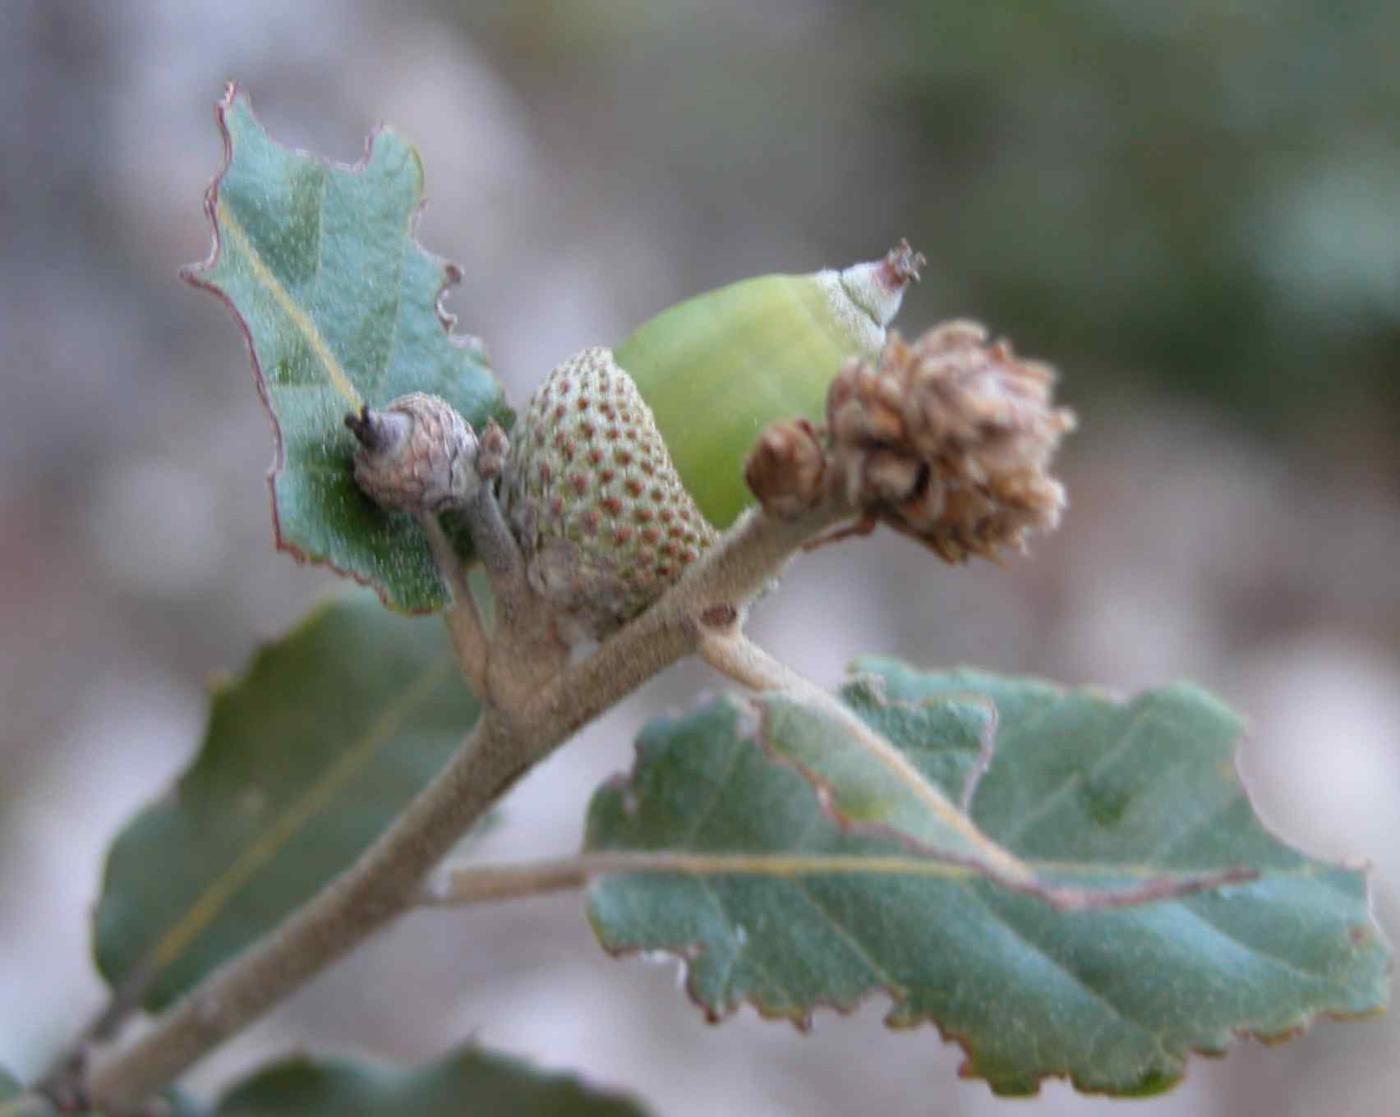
(786, 467)
(416, 455)
(493, 447)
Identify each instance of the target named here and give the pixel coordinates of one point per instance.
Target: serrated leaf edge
(748, 729)
(211, 901)
(380, 1071)
(858, 673)
(195, 276)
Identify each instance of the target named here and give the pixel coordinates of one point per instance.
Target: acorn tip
(902, 264)
(362, 425)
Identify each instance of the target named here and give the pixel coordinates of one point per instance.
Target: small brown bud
(416, 455)
(949, 439)
(719, 616)
(786, 468)
(492, 449)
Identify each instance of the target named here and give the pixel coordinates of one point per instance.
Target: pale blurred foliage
(587, 164)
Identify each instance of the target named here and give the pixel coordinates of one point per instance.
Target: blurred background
(1193, 209)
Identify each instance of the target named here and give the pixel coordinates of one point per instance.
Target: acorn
(628, 462)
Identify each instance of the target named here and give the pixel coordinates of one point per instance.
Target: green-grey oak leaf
(14, 1102)
(922, 790)
(773, 889)
(27, 1105)
(306, 759)
(340, 307)
(469, 1081)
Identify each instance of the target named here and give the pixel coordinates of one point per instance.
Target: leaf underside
(306, 759)
(799, 901)
(340, 307)
(467, 1081)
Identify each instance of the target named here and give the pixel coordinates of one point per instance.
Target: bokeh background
(1192, 208)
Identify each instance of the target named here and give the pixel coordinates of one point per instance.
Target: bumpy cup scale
(594, 499)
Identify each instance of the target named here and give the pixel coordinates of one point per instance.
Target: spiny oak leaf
(340, 307)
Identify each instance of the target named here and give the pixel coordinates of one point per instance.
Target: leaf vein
(299, 318)
(405, 246)
(293, 819)
(848, 936)
(1311, 976)
(702, 816)
(1074, 976)
(1051, 801)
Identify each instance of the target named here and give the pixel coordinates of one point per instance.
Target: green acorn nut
(628, 462)
(718, 368)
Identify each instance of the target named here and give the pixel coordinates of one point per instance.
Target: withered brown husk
(949, 439)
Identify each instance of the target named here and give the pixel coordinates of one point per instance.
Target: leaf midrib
(293, 819)
(782, 865)
(265, 277)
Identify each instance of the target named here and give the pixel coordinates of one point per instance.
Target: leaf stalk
(518, 729)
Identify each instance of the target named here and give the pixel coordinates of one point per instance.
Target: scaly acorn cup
(629, 461)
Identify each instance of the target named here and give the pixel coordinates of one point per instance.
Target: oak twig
(463, 620)
(524, 650)
(517, 730)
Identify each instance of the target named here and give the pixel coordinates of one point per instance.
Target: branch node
(719, 616)
(518, 729)
(786, 468)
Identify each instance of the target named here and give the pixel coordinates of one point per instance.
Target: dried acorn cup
(628, 462)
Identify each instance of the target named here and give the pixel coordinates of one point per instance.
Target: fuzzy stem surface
(510, 738)
(463, 621)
